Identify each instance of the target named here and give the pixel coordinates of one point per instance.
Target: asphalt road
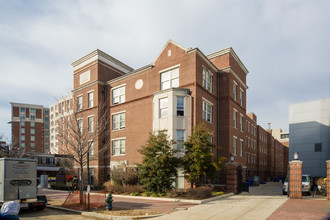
(52, 214)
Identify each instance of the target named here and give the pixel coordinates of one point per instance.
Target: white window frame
(90, 96)
(33, 131)
(91, 148)
(67, 105)
(80, 126)
(235, 145)
(241, 147)
(33, 138)
(120, 97)
(235, 91)
(179, 107)
(170, 78)
(241, 122)
(79, 103)
(118, 121)
(235, 118)
(207, 79)
(207, 110)
(120, 149)
(179, 142)
(241, 96)
(163, 107)
(90, 123)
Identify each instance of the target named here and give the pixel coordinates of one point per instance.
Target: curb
(94, 214)
(176, 200)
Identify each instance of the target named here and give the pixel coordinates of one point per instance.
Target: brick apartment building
(30, 127)
(177, 91)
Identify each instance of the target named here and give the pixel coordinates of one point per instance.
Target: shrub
(113, 188)
(154, 195)
(175, 193)
(128, 189)
(124, 175)
(200, 192)
(134, 194)
(147, 194)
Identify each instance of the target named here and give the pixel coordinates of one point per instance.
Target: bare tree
(79, 134)
(11, 149)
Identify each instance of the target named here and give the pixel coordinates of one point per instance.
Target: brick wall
(295, 179)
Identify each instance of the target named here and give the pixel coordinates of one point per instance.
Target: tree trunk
(81, 192)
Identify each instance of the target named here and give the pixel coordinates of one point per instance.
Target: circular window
(139, 84)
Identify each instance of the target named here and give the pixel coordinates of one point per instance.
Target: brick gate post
(328, 179)
(231, 177)
(295, 179)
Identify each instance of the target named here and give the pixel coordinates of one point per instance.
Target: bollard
(108, 200)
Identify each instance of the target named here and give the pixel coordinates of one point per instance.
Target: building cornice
(235, 75)
(231, 51)
(87, 85)
(200, 53)
(100, 55)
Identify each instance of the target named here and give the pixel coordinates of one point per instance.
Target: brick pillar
(295, 179)
(328, 179)
(231, 177)
(244, 173)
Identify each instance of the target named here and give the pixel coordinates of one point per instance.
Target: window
(80, 125)
(241, 122)
(22, 138)
(241, 97)
(22, 144)
(33, 145)
(63, 107)
(47, 126)
(207, 111)
(235, 145)
(22, 130)
(22, 116)
(318, 147)
(22, 109)
(90, 124)
(235, 91)
(118, 121)
(207, 80)
(32, 124)
(90, 100)
(91, 148)
(169, 79)
(22, 123)
(248, 126)
(234, 118)
(43, 160)
(79, 103)
(33, 117)
(180, 106)
(46, 112)
(56, 107)
(33, 110)
(241, 148)
(118, 95)
(118, 147)
(163, 107)
(68, 105)
(33, 131)
(33, 138)
(179, 139)
(46, 119)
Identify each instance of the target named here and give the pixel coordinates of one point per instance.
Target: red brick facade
(214, 91)
(295, 179)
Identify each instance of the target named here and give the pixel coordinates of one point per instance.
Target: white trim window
(33, 138)
(67, 105)
(235, 91)
(235, 118)
(207, 80)
(80, 125)
(207, 111)
(179, 139)
(118, 121)
(118, 147)
(169, 79)
(241, 148)
(163, 107)
(90, 99)
(118, 95)
(62, 107)
(241, 97)
(241, 122)
(91, 124)
(180, 106)
(235, 145)
(79, 103)
(33, 131)
(91, 148)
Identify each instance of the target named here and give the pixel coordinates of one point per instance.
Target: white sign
(85, 77)
(88, 188)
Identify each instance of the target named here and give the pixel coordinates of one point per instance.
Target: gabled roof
(167, 43)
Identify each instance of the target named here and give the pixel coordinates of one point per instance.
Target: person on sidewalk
(74, 183)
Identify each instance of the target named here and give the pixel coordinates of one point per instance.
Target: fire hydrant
(108, 200)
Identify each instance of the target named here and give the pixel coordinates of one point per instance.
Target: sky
(284, 44)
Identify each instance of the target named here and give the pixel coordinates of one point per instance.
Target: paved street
(51, 214)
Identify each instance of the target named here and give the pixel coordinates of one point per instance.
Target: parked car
(307, 184)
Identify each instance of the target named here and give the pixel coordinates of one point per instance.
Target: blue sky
(284, 44)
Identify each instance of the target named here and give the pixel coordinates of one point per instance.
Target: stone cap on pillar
(295, 162)
(231, 165)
